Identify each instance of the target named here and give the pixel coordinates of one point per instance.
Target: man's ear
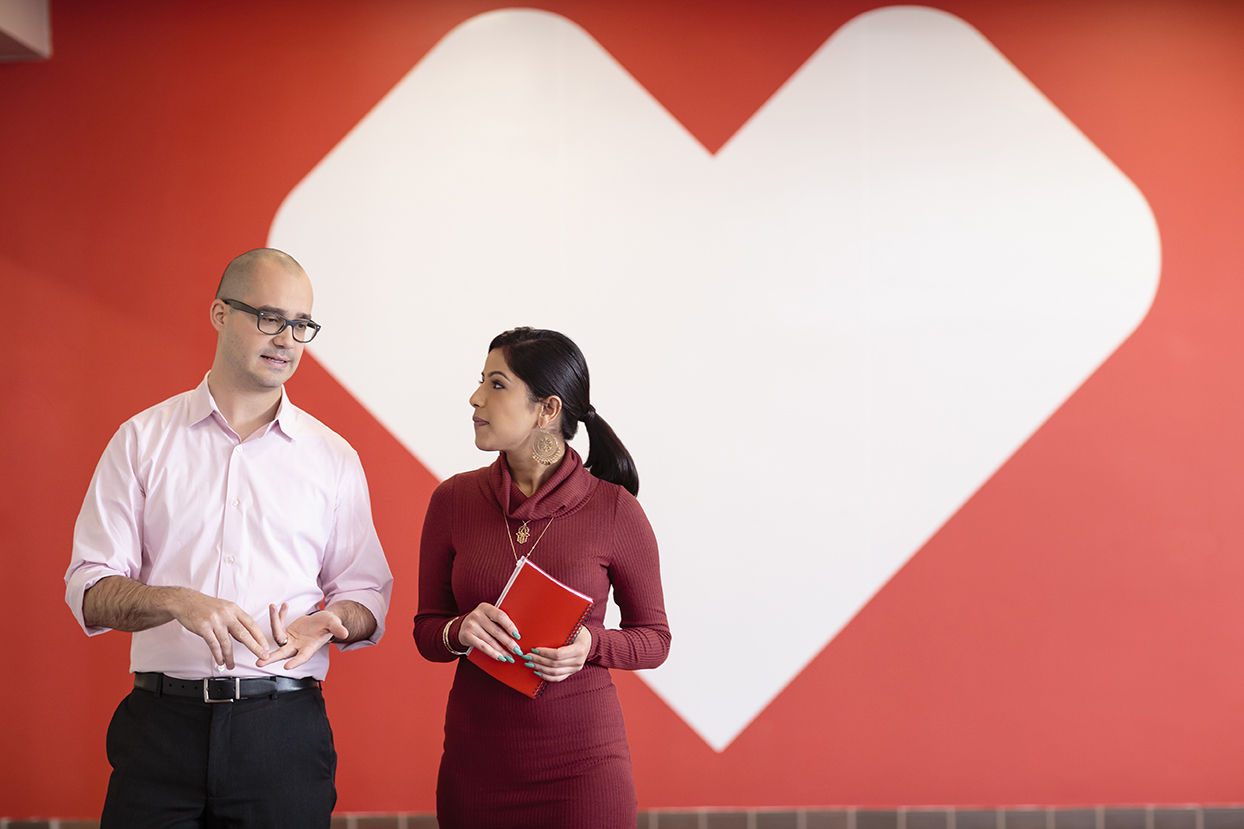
(216, 313)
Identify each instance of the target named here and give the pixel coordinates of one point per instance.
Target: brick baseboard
(1100, 817)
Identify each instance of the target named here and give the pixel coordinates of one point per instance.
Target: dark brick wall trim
(1100, 817)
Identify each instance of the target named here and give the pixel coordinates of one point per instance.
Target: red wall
(1073, 635)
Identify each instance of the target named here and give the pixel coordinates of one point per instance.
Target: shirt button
(239, 449)
(229, 559)
(235, 502)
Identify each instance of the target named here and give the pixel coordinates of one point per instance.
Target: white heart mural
(818, 343)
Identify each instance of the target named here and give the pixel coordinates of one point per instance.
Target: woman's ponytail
(607, 458)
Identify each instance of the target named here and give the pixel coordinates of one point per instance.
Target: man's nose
(285, 337)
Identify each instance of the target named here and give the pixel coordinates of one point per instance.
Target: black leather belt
(222, 689)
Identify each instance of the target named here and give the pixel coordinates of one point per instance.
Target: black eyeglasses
(304, 331)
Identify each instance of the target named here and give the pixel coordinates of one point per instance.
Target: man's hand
(123, 604)
(218, 623)
(301, 639)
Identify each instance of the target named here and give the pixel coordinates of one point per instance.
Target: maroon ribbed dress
(560, 760)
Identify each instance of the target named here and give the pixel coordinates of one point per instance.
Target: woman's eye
(497, 385)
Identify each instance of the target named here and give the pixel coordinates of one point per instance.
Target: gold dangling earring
(545, 449)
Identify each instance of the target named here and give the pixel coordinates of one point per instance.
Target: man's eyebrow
(282, 312)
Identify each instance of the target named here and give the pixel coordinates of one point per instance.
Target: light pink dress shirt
(178, 500)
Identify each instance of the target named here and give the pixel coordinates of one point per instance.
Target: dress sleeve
(107, 538)
(643, 641)
(354, 566)
(436, 565)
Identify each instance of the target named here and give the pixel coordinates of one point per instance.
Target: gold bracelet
(445, 638)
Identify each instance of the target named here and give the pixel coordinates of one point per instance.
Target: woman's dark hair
(551, 364)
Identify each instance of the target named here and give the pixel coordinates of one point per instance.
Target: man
(206, 511)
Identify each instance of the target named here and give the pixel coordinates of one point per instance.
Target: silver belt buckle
(237, 690)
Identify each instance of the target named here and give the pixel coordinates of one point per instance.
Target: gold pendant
(523, 533)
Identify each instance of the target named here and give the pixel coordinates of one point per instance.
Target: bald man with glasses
(231, 533)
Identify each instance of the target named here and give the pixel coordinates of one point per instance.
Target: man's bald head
(236, 280)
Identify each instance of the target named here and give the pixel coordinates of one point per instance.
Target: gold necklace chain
(514, 549)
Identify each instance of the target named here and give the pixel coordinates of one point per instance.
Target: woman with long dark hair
(560, 760)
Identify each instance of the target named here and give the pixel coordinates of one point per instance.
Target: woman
(560, 760)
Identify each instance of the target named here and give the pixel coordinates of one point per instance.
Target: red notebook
(547, 613)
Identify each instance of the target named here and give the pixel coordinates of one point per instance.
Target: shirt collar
(286, 419)
(203, 406)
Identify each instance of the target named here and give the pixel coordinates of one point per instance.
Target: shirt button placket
(233, 532)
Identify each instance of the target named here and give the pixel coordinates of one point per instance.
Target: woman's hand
(556, 664)
(488, 629)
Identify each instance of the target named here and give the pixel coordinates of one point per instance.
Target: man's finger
(298, 660)
(258, 640)
(284, 652)
(277, 619)
(304, 653)
(226, 650)
(218, 658)
(245, 635)
(331, 624)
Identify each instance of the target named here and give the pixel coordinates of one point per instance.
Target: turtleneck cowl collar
(565, 491)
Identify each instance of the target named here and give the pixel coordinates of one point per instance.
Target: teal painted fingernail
(518, 650)
(539, 674)
(535, 651)
(514, 633)
(529, 665)
(502, 658)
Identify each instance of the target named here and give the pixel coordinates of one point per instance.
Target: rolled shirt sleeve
(107, 537)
